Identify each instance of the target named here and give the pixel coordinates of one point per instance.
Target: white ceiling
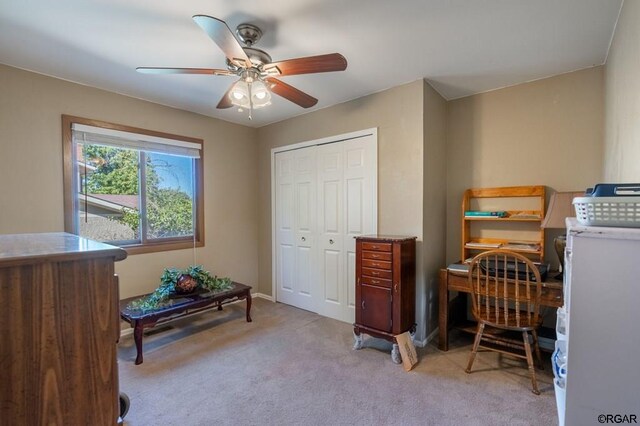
(462, 47)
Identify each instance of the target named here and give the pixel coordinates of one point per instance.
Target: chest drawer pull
(376, 246)
(377, 264)
(378, 255)
(376, 273)
(380, 282)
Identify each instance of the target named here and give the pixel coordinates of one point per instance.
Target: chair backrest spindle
(506, 288)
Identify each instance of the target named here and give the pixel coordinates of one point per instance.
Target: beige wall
(622, 99)
(434, 200)
(31, 172)
(547, 132)
(397, 114)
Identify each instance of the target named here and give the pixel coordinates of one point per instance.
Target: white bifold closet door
(325, 196)
(296, 227)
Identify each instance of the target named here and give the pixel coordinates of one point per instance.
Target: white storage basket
(608, 211)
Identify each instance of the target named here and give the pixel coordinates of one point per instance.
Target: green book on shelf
(480, 213)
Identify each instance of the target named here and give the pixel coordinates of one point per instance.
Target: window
(134, 188)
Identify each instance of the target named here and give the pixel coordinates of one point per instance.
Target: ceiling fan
(255, 68)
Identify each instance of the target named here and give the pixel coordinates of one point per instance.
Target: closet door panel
(331, 229)
(285, 232)
(286, 267)
(351, 285)
(325, 196)
(355, 204)
(305, 227)
(359, 213)
(296, 228)
(331, 278)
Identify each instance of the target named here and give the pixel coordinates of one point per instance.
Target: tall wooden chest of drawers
(59, 327)
(385, 288)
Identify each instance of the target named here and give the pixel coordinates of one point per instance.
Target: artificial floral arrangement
(176, 281)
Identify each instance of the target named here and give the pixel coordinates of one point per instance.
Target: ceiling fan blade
(221, 35)
(290, 93)
(162, 70)
(308, 65)
(225, 102)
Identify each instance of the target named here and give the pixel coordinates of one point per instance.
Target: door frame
(322, 141)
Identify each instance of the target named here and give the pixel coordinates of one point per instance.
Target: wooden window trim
(69, 192)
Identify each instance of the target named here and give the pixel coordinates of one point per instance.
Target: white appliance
(597, 360)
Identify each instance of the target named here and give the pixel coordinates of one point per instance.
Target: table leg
(443, 318)
(248, 296)
(137, 337)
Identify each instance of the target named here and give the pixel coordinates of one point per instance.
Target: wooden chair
(506, 288)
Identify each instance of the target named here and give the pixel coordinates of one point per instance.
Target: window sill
(158, 247)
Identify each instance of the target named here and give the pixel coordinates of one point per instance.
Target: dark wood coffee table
(179, 307)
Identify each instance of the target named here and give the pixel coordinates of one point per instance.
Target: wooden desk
(179, 307)
(457, 281)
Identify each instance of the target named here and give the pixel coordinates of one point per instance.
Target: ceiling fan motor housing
(248, 34)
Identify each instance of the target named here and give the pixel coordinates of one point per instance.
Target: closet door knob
(304, 239)
(330, 241)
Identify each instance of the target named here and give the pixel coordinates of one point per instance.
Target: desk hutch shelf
(503, 216)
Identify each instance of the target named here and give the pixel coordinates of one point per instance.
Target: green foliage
(169, 279)
(131, 218)
(169, 211)
(116, 170)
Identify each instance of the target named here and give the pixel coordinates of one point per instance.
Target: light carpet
(293, 367)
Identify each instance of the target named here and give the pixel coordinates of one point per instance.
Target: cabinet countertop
(44, 247)
(389, 238)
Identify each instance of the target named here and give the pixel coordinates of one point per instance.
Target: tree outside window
(130, 196)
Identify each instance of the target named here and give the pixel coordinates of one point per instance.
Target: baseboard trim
(420, 343)
(425, 342)
(262, 296)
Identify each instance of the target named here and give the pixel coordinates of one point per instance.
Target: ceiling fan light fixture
(260, 95)
(249, 94)
(239, 94)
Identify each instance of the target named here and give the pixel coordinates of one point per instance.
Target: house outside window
(135, 188)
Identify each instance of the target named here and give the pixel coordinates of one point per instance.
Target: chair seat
(513, 321)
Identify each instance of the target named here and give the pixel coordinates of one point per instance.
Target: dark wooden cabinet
(59, 325)
(385, 287)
